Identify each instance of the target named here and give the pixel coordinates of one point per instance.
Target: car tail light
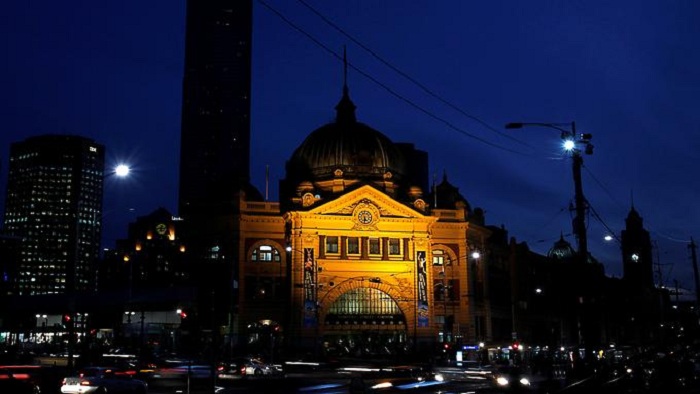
(220, 368)
(85, 383)
(243, 370)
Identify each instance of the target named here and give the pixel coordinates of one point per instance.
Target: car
(183, 371)
(512, 378)
(242, 367)
(103, 380)
(13, 380)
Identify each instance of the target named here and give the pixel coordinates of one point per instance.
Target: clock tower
(636, 252)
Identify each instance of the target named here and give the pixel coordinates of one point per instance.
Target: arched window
(264, 253)
(364, 306)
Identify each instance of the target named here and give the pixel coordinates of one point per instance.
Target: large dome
(561, 250)
(346, 148)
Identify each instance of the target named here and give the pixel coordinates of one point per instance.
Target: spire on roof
(345, 110)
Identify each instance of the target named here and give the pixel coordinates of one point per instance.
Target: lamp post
(573, 143)
(120, 171)
(474, 295)
(576, 144)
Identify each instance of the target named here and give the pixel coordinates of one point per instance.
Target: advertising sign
(422, 290)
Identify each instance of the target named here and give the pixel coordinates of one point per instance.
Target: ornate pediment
(366, 204)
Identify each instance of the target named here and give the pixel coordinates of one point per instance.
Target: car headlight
(524, 381)
(502, 381)
(439, 377)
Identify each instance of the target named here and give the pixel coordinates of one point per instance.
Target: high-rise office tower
(215, 136)
(215, 146)
(54, 204)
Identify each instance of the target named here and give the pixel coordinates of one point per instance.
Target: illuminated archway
(364, 301)
(363, 316)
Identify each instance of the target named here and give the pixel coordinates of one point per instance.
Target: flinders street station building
(361, 254)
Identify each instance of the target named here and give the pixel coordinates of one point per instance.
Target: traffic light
(67, 320)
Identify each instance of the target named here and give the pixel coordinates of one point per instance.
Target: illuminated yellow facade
(353, 259)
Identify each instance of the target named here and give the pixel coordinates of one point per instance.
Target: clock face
(364, 217)
(160, 228)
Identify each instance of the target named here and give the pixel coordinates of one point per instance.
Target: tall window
(262, 288)
(394, 246)
(446, 290)
(331, 244)
(353, 245)
(453, 290)
(439, 290)
(374, 246)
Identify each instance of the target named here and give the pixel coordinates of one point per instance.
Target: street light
(121, 171)
(574, 143)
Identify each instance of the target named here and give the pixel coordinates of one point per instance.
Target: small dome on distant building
(561, 250)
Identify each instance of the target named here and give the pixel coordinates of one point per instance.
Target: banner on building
(422, 290)
(310, 290)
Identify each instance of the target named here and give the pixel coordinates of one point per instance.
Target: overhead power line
(387, 88)
(408, 77)
(600, 219)
(648, 225)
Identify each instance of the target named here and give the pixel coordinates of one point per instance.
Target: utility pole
(576, 144)
(572, 141)
(579, 221)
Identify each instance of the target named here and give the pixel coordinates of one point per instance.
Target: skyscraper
(215, 135)
(215, 145)
(54, 204)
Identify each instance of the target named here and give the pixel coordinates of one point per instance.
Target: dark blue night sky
(625, 71)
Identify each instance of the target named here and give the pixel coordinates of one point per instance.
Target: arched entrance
(363, 320)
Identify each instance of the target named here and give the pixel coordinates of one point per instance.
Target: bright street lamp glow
(121, 170)
(476, 255)
(569, 145)
(608, 237)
